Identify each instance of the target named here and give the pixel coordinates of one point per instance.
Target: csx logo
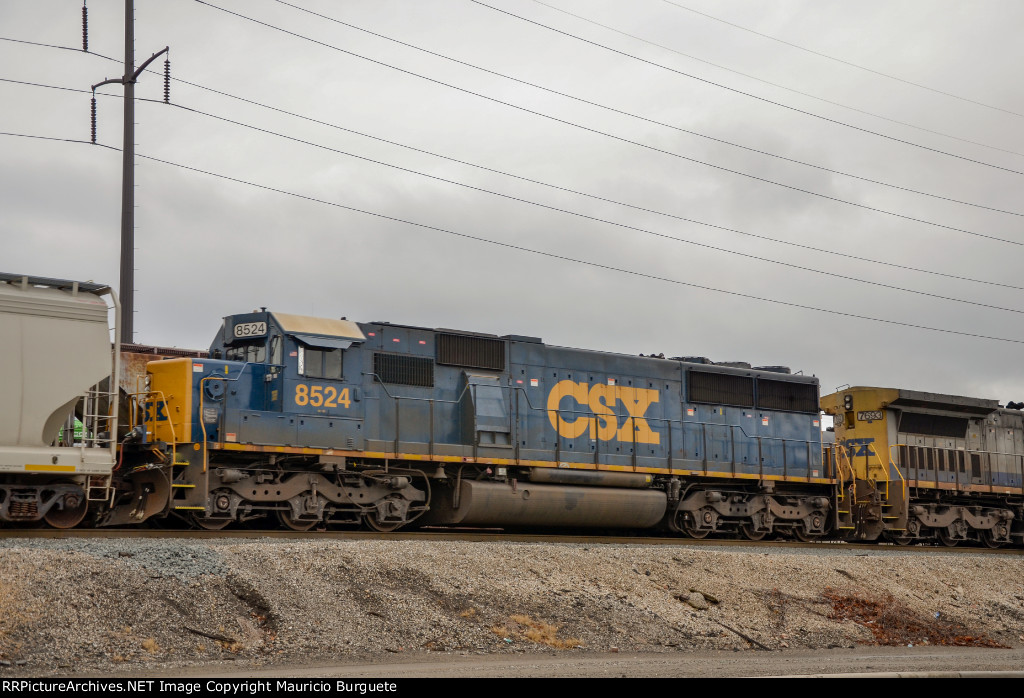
(858, 447)
(159, 415)
(601, 399)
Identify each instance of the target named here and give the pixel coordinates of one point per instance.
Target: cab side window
(320, 363)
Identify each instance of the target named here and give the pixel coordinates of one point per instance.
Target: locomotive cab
(298, 369)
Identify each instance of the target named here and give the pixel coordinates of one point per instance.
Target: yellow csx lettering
(601, 400)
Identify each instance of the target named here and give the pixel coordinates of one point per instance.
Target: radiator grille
(471, 352)
(404, 370)
(783, 395)
(933, 425)
(721, 389)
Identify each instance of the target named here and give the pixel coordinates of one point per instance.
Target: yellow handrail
(170, 422)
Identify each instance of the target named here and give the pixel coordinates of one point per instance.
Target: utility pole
(127, 285)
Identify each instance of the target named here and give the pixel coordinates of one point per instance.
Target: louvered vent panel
(471, 352)
(933, 425)
(791, 397)
(721, 389)
(404, 370)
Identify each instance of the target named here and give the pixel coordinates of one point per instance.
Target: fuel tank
(530, 504)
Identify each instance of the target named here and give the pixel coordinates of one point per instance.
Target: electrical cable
(640, 117)
(605, 133)
(776, 84)
(840, 60)
(542, 253)
(738, 91)
(586, 216)
(557, 187)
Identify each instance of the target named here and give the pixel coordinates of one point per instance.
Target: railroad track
(489, 536)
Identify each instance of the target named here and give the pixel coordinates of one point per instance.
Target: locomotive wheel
(899, 540)
(74, 509)
(209, 524)
(750, 533)
(689, 528)
(284, 516)
(803, 536)
(945, 538)
(989, 539)
(373, 523)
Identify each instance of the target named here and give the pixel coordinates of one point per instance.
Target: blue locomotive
(318, 421)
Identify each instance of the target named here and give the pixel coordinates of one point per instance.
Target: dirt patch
(892, 623)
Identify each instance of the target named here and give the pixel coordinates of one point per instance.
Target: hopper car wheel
(74, 509)
(209, 524)
(750, 533)
(284, 516)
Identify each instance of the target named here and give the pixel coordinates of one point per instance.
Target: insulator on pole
(167, 81)
(93, 119)
(85, 27)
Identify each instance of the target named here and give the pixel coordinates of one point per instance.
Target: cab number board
(869, 416)
(321, 396)
(250, 329)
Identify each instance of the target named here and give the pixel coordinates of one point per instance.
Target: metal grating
(403, 369)
(721, 389)
(471, 352)
(933, 425)
(783, 395)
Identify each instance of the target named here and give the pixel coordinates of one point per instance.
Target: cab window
(320, 363)
(253, 352)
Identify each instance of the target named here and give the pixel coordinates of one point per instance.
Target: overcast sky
(208, 246)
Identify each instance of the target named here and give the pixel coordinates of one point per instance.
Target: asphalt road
(881, 661)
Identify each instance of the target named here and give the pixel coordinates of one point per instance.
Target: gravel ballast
(132, 606)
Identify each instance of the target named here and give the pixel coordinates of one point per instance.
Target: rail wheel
(899, 540)
(688, 525)
(284, 516)
(988, 537)
(750, 533)
(946, 538)
(68, 512)
(804, 537)
(209, 524)
(373, 522)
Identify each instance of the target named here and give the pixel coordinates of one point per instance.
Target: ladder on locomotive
(858, 492)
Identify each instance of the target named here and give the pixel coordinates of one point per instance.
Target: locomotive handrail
(670, 422)
(663, 421)
(967, 452)
(170, 422)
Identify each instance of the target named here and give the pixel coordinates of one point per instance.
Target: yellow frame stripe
(511, 462)
(32, 468)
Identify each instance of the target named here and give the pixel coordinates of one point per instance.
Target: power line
(613, 109)
(602, 198)
(605, 133)
(775, 84)
(542, 253)
(586, 216)
(556, 187)
(737, 91)
(644, 118)
(840, 60)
